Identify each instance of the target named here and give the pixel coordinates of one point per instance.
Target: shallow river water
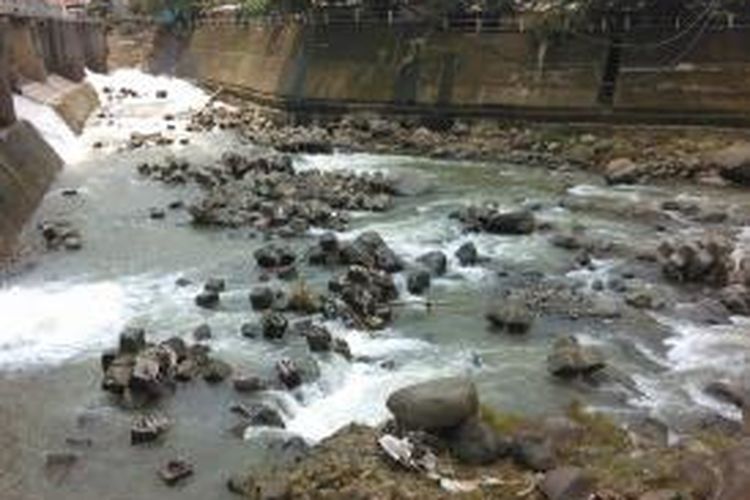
(61, 312)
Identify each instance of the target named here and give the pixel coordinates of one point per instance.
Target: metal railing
(364, 18)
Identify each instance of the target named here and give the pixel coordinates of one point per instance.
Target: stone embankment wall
(497, 74)
(45, 59)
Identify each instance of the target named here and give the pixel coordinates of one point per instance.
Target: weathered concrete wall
(7, 116)
(26, 58)
(63, 48)
(392, 65)
(73, 101)
(714, 75)
(386, 65)
(27, 167)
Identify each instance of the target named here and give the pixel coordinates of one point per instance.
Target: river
(59, 313)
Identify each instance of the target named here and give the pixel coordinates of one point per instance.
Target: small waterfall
(51, 126)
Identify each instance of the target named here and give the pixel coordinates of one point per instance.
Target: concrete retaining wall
(27, 167)
(386, 65)
(7, 116)
(713, 75)
(493, 73)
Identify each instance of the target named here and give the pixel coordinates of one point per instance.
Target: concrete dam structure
(43, 59)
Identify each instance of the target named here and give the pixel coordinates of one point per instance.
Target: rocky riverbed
(223, 296)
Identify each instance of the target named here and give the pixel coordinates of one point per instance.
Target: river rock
(570, 359)
(467, 254)
(476, 443)
(418, 281)
(706, 312)
(341, 347)
(567, 483)
(132, 340)
(216, 285)
(273, 256)
(289, 373)
(706, 260)
(733, 163)
(274, 325)
(490, 219)
(522, 222)
(118, 374)
(435, 262)
(202, 332)
(534, 453)
(153, 371)
(207, 299)
(264, 416)
(736, 298)
(735, 392)
(215, 371)
(511, 315)
(370, 250)
(365, 295)
(319, 339)
(436, 405)
(262, 298)
(622, 171)
(175, 471)
(249, 384)
(149, 427)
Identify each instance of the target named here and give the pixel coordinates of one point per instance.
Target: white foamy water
(145, 113)
(357, 392)
(53, 128)
(56, 322)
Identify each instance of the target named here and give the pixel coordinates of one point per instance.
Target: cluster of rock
(705, 261)
(141, 372)
(60, 235)
(266, 193)
(626, 156)
(491, 219)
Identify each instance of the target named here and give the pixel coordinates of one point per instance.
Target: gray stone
(570, 359)
(319, 339)
(418, 281)
(262, 298)
(436, 262)
(202, 332)
(567, 483)
(132, 340)
(467, 254)
(439, 404)
(274, 325)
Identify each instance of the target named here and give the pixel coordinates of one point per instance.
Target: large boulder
(436, 405)
(370, 250)
(521, 222)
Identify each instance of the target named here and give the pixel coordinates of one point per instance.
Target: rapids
(58, 315)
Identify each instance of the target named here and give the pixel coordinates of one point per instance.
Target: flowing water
(58, 315)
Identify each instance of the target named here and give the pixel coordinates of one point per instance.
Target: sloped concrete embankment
(28, 166)
(45, 60)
